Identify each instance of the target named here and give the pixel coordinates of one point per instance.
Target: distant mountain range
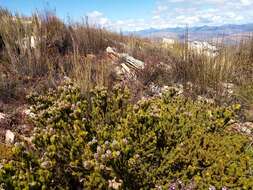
(229, 33)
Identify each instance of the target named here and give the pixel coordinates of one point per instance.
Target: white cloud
(94, 14)
(246, 2)
(96, 17)
(162, 8)
(99, 19)
(156, 17)
(172, 13)
(210, 12)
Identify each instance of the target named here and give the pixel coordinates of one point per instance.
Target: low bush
(101, 141)
(6, 152)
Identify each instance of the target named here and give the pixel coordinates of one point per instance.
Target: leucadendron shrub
(102, 141)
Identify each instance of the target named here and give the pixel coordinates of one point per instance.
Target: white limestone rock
(9, 137)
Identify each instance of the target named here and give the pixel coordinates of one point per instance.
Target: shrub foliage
(102, 141)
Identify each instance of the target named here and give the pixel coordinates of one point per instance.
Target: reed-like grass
(59, 50)
(77, 50)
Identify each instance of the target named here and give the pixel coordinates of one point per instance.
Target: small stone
(94, 140)
(110, 50)
(107, 143)
(125, 141)
(108, 153)
(2, 116)
(114, 184)
(158, 187)
(45, 164)
(9, 137)
(249, 125)
(136, 156)
(245, 130)
(28, 113)
(103, 157)
(66, 78)
(87, 165)
(102, 167)
(211, 188)
(99, 149)
(96, 156)
(118, 153)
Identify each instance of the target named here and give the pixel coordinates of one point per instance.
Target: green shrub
(6, 152)
(102, 141)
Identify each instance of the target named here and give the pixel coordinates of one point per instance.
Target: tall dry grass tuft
(233, 64)
(241, 58)
(42, 48)
(39, 50)
(91, 71)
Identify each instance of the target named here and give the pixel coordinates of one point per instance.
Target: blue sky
(142, 14)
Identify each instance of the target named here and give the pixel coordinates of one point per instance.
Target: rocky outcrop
(127, 66)
(198, 47)
(168, 42)
(205, 100)
(244, 128)
(203, 48)
(178, 89)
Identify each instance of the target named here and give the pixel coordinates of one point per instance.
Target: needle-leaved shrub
(102, 141)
